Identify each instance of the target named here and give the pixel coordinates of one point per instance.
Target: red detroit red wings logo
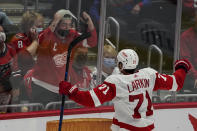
(124, 54)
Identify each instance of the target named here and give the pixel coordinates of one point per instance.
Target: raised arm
(91, 41)
(175, 81)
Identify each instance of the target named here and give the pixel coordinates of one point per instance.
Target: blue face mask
(39, 30)
(109, 62)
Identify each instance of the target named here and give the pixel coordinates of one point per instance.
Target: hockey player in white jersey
(131, 91)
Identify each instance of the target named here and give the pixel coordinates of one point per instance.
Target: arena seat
(181, 98)
(67, 105)
(28, 107)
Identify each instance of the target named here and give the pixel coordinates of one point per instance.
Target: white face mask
(2, 37)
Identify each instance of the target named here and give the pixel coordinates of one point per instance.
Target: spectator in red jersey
(188, 50)
(26, 43)
(10, 77)
(31, 25)
(79, 73)
(52, 54)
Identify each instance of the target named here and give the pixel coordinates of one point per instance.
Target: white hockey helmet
(128, 58)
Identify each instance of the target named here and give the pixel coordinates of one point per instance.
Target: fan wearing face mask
(108, 65)
(52, 54)
(79, 73)
(8, 73)
(31, 25)
(26, 42)
(109, 60)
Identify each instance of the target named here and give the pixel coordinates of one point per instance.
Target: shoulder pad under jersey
(148, 70)
(112, 78)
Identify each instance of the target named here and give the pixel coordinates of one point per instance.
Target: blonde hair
(81, 50)
(28, 20)
(110, 50)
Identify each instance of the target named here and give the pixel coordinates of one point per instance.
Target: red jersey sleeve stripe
(131, 127)
(174, 84)
(180, 75)
(95, 98)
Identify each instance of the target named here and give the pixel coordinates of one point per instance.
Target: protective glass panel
(38, 35)
(188, 50)
(147, 26)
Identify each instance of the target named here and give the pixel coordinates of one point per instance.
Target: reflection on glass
(153, 23)
(41, 48)
(188, 46)
(142, 23)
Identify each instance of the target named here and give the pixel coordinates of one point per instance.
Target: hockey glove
(67, 89)
(184, 64)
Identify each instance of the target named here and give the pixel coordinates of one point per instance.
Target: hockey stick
(71, 46)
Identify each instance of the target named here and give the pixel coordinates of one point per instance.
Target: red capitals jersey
(8, 64)
(20, 41)
(131, 96)
(52, 55)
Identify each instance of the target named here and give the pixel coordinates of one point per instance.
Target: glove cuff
(184, 64)
(181, 67)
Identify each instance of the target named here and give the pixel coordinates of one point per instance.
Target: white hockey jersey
(131, 95)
